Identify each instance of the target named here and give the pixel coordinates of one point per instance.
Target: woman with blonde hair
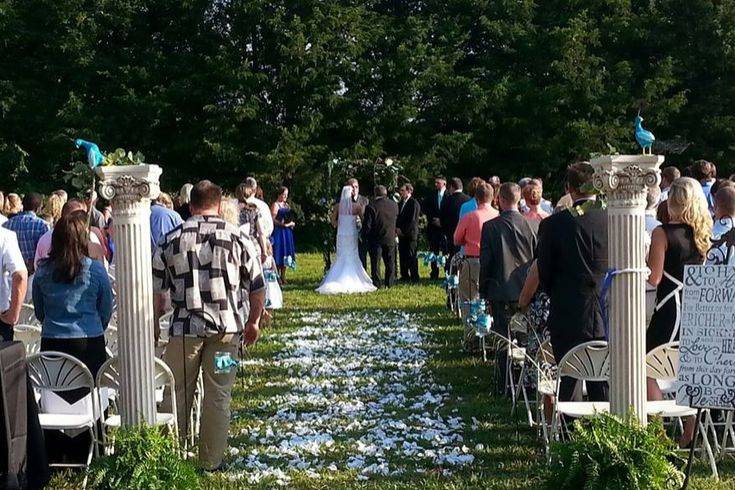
(13, 205)
(229, 210)
(52, 209)
(684, 240)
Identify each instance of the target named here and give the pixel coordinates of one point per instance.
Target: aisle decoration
(478, 318)
(356, 393)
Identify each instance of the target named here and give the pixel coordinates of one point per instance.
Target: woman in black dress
(684, 240)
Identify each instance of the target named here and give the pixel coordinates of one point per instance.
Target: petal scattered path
(356, 395)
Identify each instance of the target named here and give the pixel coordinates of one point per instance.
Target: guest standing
(533, 197)
(407, 229)
(684, 240)
(183, 202)
(209, 270)
(508, 246)
(13, 205)
(468, 235)
(245, 193)
(449, 212)
(379, 231)
(72, 298)
(52, 209)
(13, 283)
(163, 220)
(572, 262)
(668, 175)
(705, 172)
(431, 208)
(284, 248)
(28, 227)
(470, 205)
(722, 251)
(95, 251)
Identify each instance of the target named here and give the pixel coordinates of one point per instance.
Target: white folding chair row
(109, 377)
(57, 372)
(589, 362)
(30, 335)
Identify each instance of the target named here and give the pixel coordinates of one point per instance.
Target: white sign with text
(707, 337)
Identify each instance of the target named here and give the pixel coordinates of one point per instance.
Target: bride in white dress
(346, 274)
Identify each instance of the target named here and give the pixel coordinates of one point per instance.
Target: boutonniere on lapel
(587, 206)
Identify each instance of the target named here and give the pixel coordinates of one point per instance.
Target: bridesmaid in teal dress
(284, 249)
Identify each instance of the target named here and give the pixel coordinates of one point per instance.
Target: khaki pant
(215, 424)
(469, 290)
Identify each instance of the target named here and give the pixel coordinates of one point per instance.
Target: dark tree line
(276, 88)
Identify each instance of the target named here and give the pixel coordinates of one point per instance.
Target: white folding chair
(111, 341)
(109, 377)
(515, 360)
(163, 325)
(57, 372)
(195, 418)
(662, 364)
(30, 335)
(587, 362)
(28, 315)
(545, 366)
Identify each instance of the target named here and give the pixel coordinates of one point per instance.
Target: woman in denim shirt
(72, 295)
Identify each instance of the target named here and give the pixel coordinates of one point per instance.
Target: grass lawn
(507, 454)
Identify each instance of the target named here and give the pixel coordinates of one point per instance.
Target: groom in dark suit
(572, 261)
(379, 231)
(407, 229)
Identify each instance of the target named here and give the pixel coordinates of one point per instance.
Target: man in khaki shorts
(212, 273)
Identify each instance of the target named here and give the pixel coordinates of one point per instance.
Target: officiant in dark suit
(572, 262)
(434, 234)
(379, 231)
(507, 248)
(407, 229)
(449, 211)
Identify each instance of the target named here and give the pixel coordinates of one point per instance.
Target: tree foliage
(278, 88)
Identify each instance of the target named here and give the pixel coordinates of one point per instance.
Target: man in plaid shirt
(28, 227)
(213, 274)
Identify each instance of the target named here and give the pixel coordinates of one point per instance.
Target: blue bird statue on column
(644, 137)
(94, 155)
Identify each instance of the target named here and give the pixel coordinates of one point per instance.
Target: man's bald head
(73, 205)
(725, 201)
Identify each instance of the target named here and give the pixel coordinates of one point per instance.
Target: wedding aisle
(357, 396)
(369, 391)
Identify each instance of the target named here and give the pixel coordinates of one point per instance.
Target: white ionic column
(131, 188)
(625, 180)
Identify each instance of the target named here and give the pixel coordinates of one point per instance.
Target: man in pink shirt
(468, 235)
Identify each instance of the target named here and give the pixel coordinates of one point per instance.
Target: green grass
(510, 454)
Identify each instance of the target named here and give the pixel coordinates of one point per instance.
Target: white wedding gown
(346, 275)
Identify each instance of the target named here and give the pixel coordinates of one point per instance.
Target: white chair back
(111, 341)
(109, 377)
(589, 361)
(30, 335)
(28, 315)
(56, 371)
(662, 363)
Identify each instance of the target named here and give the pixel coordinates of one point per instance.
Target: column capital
(626, 178)
(129, 183)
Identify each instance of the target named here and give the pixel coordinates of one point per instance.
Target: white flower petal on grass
(357, 393)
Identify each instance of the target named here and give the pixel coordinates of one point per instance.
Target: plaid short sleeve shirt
(206, 264)
(29, 228)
